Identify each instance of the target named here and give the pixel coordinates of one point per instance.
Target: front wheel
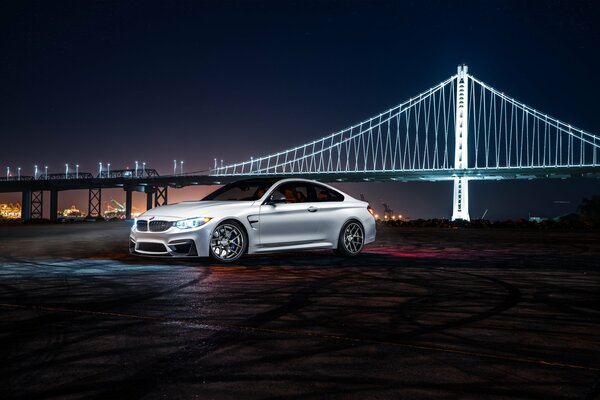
(351, 240)
(228, 242)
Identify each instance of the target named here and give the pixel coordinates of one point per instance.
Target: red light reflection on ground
(416, 253)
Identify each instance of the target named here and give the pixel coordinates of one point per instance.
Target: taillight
(371, 211)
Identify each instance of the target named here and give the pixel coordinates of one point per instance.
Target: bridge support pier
(95, 203)
(32, 204)
(461, 153)
(128, 199)
(460, 206)
(160, 196)
(53, 205)
(26, 205)
(37, 204)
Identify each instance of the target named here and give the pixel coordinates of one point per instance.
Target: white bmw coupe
(256, 216)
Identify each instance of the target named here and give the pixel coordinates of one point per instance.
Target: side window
(325, 194)
(302, 193)
(294, 192)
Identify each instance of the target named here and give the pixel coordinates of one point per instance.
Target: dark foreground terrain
(424, 313)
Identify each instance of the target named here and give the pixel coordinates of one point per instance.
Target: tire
(351, 240)
(228, 242)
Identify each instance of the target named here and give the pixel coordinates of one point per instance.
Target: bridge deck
(139, 184)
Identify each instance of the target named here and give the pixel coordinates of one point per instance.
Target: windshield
(241, 191)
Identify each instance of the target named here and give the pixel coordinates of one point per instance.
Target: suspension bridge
(459, 130)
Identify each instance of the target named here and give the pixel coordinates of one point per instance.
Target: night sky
(119, 81)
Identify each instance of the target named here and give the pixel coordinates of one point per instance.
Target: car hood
(190, 209)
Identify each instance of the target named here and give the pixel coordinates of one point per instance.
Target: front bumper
(171, 243)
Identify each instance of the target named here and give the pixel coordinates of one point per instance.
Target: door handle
(312, 209)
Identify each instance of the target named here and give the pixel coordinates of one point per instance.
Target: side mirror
(276, 198)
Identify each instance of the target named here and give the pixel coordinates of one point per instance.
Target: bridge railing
(128, 173)
(15, 178)
(146, 173)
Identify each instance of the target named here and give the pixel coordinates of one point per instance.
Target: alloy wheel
(354, 238)
(227, 242)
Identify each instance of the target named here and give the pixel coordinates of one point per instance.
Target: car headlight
(191, 222)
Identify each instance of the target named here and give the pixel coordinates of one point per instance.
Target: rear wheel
(351, 240)
(228, 242)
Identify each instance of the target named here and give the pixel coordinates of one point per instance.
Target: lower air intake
(152, 247)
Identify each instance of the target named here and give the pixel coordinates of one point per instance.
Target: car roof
(277, 179)
(281, 179)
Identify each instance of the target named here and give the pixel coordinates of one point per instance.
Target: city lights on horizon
(389, 217)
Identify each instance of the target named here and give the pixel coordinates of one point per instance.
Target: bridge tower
(461, 134)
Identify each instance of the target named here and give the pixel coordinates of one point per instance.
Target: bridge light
(46, 171)
(66, 171)
(76, 171)
(136, 168)
(108, 170)
(35, 171)
(143, 168)
(19, 173)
